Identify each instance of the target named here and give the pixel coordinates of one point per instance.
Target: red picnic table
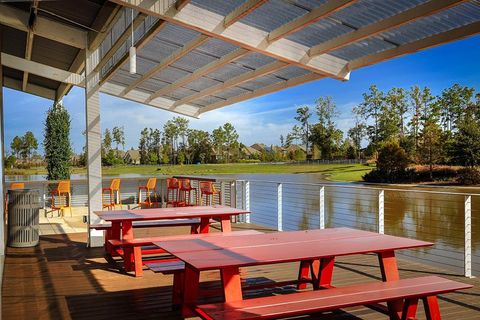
(315, 249)
(122, 220)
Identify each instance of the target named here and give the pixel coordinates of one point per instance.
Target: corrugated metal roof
(231, 92)
(170, 74)
(261, 82)
(52, 53)
(440, 22)
(201, 84)
(365, 12)
(16, 41)
(272, 15)
(221, 7)
(205, 101)
(227, 72)
(291, 72)
(362, 48)
(254, 60)
(319, 32)
(216, 47)
(180, 93)
(193, 61)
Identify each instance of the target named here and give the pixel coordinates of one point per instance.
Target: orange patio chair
(62, 190)
(150, 192)
(173, 187)
(207, 189)
(184, 193)
(113, 193)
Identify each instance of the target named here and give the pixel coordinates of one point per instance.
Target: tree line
(428, 129)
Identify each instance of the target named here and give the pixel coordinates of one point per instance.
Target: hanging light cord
(132, 28)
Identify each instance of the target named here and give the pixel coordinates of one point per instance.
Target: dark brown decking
(61, 279)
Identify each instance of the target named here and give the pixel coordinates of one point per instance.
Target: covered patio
(189, 57)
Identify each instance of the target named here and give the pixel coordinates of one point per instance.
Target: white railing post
(247, 200)
(468, 237)
(279, 208)
(222, 191)
(381, 212)
(322, 207)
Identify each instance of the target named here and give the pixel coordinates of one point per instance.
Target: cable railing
(442, 217)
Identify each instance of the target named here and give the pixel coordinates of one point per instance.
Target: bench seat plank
(150, 224)
(327, 300)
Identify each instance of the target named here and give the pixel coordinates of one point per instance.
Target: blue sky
(262, 119)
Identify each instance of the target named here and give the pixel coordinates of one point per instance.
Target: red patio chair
(207, 189)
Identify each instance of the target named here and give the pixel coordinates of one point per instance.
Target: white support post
(381, 212)
(246, 193)
(279, 208)
(93, 133)
(2, 178)
(322, 207)
(468, 237)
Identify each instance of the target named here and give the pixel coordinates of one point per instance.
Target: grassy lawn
(334, 172)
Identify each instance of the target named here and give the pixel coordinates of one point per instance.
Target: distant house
(260, 147)
(132, 157)
(250, 153)
(120, 153)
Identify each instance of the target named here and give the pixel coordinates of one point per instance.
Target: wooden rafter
(392, 22)
(239, 34)
(242, 11)
(106, 19)
(313, 16)
(42, 70)
(208, 68)
(175, 56)
(432, 41)
(29, 44)
(245, 77)
(181, 3)
(262, 91)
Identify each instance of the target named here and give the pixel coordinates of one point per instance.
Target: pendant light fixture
(133, 53)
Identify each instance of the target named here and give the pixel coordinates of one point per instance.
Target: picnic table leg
(190, 291)
(389, 269)
(410, 309)
(113, 234)
(204, 225)
(432, 309)
(232, 286)
(178, 285)
(325, 273)
(225, 224)
(128, 257)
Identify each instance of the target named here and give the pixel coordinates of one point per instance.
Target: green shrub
(468, 176)
(392, 164)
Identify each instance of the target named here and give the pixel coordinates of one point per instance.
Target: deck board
(61, 279)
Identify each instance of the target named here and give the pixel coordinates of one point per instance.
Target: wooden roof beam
(392, 22)
(422, 44)
(175, 56)
(208, 68)
(262, 91)
(239, 34)
(310, 18)
(245, 77)
(29, 44)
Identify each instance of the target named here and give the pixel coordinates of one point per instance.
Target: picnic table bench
(316, 251)
(297, 304)
(119, 236)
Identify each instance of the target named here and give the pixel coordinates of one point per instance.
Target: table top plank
(289, 246)
(169, 213)
(184, 245)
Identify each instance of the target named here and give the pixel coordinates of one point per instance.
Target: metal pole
(381, 212)
(279, 208)
(322, 207)
(468, 237)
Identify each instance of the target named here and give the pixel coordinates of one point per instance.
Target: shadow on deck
(62, 279)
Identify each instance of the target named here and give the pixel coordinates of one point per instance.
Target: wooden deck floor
(61, 279)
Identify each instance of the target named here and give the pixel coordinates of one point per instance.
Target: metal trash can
(23, 218)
